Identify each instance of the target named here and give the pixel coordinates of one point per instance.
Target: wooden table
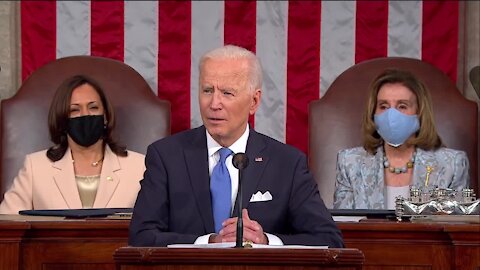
(404, 245)
(61, 245)
(51, 244)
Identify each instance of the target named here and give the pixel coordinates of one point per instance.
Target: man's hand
(252, 231)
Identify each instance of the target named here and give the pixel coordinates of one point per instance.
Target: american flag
(303, 45)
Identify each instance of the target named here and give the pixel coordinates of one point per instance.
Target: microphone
(475, 79)
(240, 161)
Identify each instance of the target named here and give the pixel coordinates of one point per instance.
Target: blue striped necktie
(221, 190)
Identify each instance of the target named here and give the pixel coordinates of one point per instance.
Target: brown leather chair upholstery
(140, 116)
(335, 119)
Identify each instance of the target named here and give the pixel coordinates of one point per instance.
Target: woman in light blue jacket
(401, 148)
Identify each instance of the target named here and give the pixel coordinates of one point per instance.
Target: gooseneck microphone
(240, 161)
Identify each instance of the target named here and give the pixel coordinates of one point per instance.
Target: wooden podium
(130, 258)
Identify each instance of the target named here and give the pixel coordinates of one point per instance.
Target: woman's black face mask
(86, 130)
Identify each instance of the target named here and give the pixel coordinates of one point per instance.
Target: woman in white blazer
(85, 168)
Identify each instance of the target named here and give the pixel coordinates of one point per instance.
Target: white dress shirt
(239, 146)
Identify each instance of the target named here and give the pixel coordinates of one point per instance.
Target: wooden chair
(140, 116)
(335, 119)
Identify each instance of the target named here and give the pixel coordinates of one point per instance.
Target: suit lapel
(64, 178)
(196, 160)
(258, 160)
(109, 180)
(372, 181)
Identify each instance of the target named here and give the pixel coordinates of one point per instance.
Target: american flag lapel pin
(258, 159)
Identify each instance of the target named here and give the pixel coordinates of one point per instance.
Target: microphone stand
(240, 161)
(239, 237)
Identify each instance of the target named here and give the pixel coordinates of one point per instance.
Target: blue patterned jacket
(360, 175)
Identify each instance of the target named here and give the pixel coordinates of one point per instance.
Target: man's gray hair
(255, 75)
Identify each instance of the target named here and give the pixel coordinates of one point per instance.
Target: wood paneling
(90, 244)
(230, 258)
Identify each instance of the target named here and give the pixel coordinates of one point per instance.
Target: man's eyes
(224, 92)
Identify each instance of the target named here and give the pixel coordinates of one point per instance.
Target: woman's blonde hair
(426, 137)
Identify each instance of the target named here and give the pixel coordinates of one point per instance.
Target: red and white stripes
(303, 45)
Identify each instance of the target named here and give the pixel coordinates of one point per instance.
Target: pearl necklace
(93, 164)
(404, 169)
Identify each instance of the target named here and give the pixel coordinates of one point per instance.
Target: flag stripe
(38, 21)
(272, 23)
(303, 68)
(404, 28)
(107, 29)
(240, 28)
(73, 28)
(371, 31)
(440, 47)
(302, 45)
(141, 39)
(207, 33)
(240, 24)
(337, 40)
(174, 37)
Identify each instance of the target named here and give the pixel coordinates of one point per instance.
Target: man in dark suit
(177, 202)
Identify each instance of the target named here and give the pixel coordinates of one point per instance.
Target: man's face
(225, 98)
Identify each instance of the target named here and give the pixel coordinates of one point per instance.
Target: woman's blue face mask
(396, 127)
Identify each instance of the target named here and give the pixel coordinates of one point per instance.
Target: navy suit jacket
(174, 203)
